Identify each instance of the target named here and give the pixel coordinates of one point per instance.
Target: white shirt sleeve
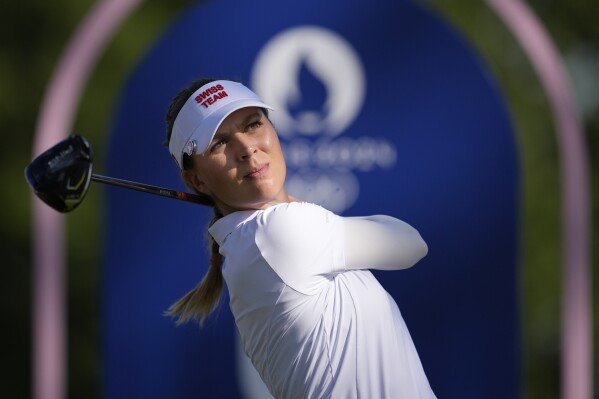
(302, 243)
(381, 242)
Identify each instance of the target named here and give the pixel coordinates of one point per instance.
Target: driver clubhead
(61, 175)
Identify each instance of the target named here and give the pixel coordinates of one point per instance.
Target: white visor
(203, 113)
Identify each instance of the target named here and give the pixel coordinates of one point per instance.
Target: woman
(313, 320)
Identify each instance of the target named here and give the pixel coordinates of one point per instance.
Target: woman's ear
(192, 181)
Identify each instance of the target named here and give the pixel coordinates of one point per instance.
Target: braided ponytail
(198, 303)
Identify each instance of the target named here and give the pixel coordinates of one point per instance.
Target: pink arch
(56, 118)
(577, 344)
(54, 124)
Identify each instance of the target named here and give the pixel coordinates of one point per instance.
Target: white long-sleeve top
(313, 320)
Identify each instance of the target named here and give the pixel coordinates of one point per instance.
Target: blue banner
(382, 108)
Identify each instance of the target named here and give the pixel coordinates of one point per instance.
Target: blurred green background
(34, 34)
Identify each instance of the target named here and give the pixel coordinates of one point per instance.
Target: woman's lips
(258, 172)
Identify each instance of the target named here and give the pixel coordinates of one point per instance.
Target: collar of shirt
(224, 226)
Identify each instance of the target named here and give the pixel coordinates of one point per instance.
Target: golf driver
(61, 175)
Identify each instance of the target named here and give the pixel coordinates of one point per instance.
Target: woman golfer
(312, 318)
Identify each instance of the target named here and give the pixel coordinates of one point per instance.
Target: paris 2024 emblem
(316, 82)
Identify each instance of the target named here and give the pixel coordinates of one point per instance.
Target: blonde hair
(198, 303)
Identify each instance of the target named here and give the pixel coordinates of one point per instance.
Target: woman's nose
(246, 147)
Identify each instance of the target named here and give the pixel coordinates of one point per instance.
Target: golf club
(61, 176)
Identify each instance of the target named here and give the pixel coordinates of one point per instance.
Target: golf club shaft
(146, 188)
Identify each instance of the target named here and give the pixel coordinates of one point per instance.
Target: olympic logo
(320, 165)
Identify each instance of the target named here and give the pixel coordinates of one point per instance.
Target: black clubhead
(60, 176)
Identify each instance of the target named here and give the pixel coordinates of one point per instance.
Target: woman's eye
(216, 145)
(254, 125)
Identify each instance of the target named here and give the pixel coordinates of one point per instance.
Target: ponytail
(198, 303)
